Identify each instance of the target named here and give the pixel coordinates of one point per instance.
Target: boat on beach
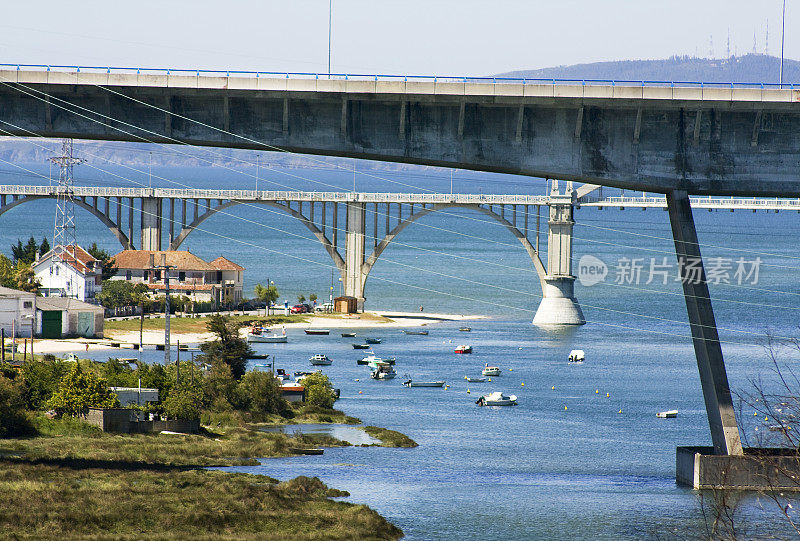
(464, 349)
(497, 398)
(321, 360)
(318, 331)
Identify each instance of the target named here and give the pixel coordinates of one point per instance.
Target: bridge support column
(151, 223)
(354, 252)
(559, 307)
(707, 349)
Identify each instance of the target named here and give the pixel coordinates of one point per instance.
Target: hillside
(748, 68)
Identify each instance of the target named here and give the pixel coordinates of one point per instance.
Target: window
(158, 275)
(181, 276)
(56, 271)
(27, 304)
(146, 275)
(127, 275)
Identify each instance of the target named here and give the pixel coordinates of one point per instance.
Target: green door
(86, 324)
(51, 324)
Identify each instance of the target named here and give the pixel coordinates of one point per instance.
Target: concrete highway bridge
(677, 139)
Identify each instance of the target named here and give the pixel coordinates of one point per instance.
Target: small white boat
(383, 371)
(321, 360)
(491, 371)
(475, 380)
(465, 329)
(464, 349)
(411, 383)
(576, 356)
(497, 398)
(670, 414)
(259, 334)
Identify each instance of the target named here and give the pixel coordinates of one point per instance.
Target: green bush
(319, 391)
(41, 380)
(78, 391)
(184, 402)
(14, 420)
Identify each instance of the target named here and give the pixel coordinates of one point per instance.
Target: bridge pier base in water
(559, 306)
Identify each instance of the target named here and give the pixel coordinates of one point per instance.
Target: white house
(17, 312)
(75, 274)
(230, 277)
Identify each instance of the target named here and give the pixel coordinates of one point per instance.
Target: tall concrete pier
(353, 274)
(559, 306)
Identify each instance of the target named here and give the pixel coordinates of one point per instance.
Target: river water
(583, 454)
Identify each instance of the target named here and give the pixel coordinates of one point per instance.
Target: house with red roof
(219, 282)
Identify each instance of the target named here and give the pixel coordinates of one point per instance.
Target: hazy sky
(455, 37)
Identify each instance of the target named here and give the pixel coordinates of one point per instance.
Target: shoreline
(154, 337)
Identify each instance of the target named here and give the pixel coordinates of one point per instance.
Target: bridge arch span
(366, 267)
(115, 230)
(326, 243)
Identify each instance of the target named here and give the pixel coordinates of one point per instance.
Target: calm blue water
(537, 470)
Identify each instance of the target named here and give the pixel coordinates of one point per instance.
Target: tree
(14, 420)
(229, 348)
(263, 393)
(44, 247)
(319, 391)
(266, 294)
(313, 297)
(301, 298)
(116, 293)
(184, 402)
(26, 279)
(109, 267)
(17, 251)
(41, 381)
(78, 391)
(8, 277)
(30, 251)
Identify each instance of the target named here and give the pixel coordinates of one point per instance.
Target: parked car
(297, 309)
(308, 307)
(327, 307)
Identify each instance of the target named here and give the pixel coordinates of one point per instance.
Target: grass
(57, 498)
(390, 438)
(299, 414)
(181, 325)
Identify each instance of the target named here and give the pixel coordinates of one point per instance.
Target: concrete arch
(384, 243)
(121, 237)
(337, 258)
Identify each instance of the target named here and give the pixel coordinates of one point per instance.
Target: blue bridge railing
(391, 77)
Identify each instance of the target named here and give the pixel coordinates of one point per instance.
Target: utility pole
(783, 32)
(166, 268)
(330, 21)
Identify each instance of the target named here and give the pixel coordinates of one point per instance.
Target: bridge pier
(559, 306)
(151, 223)
(354, 276)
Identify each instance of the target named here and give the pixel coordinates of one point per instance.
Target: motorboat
(475, 380)
(669, 414)
(360, 346)
(372, 361)
(491, 371)
(281, 375)
(348, 335)
(497, 398)
(372, 340)
(463, 349)
(576, 356)
(412, 383)
(259, 334)
(465, 329)
(383, 371)
(420, 333)
(318, 331)
(321, 360)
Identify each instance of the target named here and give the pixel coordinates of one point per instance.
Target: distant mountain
(751, 68)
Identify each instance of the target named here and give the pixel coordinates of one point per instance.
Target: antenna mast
(64, 237)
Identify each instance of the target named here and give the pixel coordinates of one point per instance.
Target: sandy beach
(151, 337)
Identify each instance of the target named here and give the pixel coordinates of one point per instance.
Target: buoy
(465, 377)
(553, 387)
(620, 411)
(490, 379)
(523, 384)
(357, 379)
(766, 418)
(755, 413)
(446, 387)
(596, 391)
(565, 408)
(468, 391)
(360, 392)
(510, 369)
(608, 394)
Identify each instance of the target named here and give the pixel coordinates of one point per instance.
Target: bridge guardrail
(123, 70)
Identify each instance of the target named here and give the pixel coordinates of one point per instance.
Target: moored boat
(420, 333)
(260, 335)
(497, 398)
(360, 346)
(669, 414)
(491, 371)
(412, 383)
(383, 371)
(372, 340)
(576, 356)
(321, 360)
(475, 380)
(372, 361)
(318, 331)
(465, 329)
(348, 335)
(463, 349)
